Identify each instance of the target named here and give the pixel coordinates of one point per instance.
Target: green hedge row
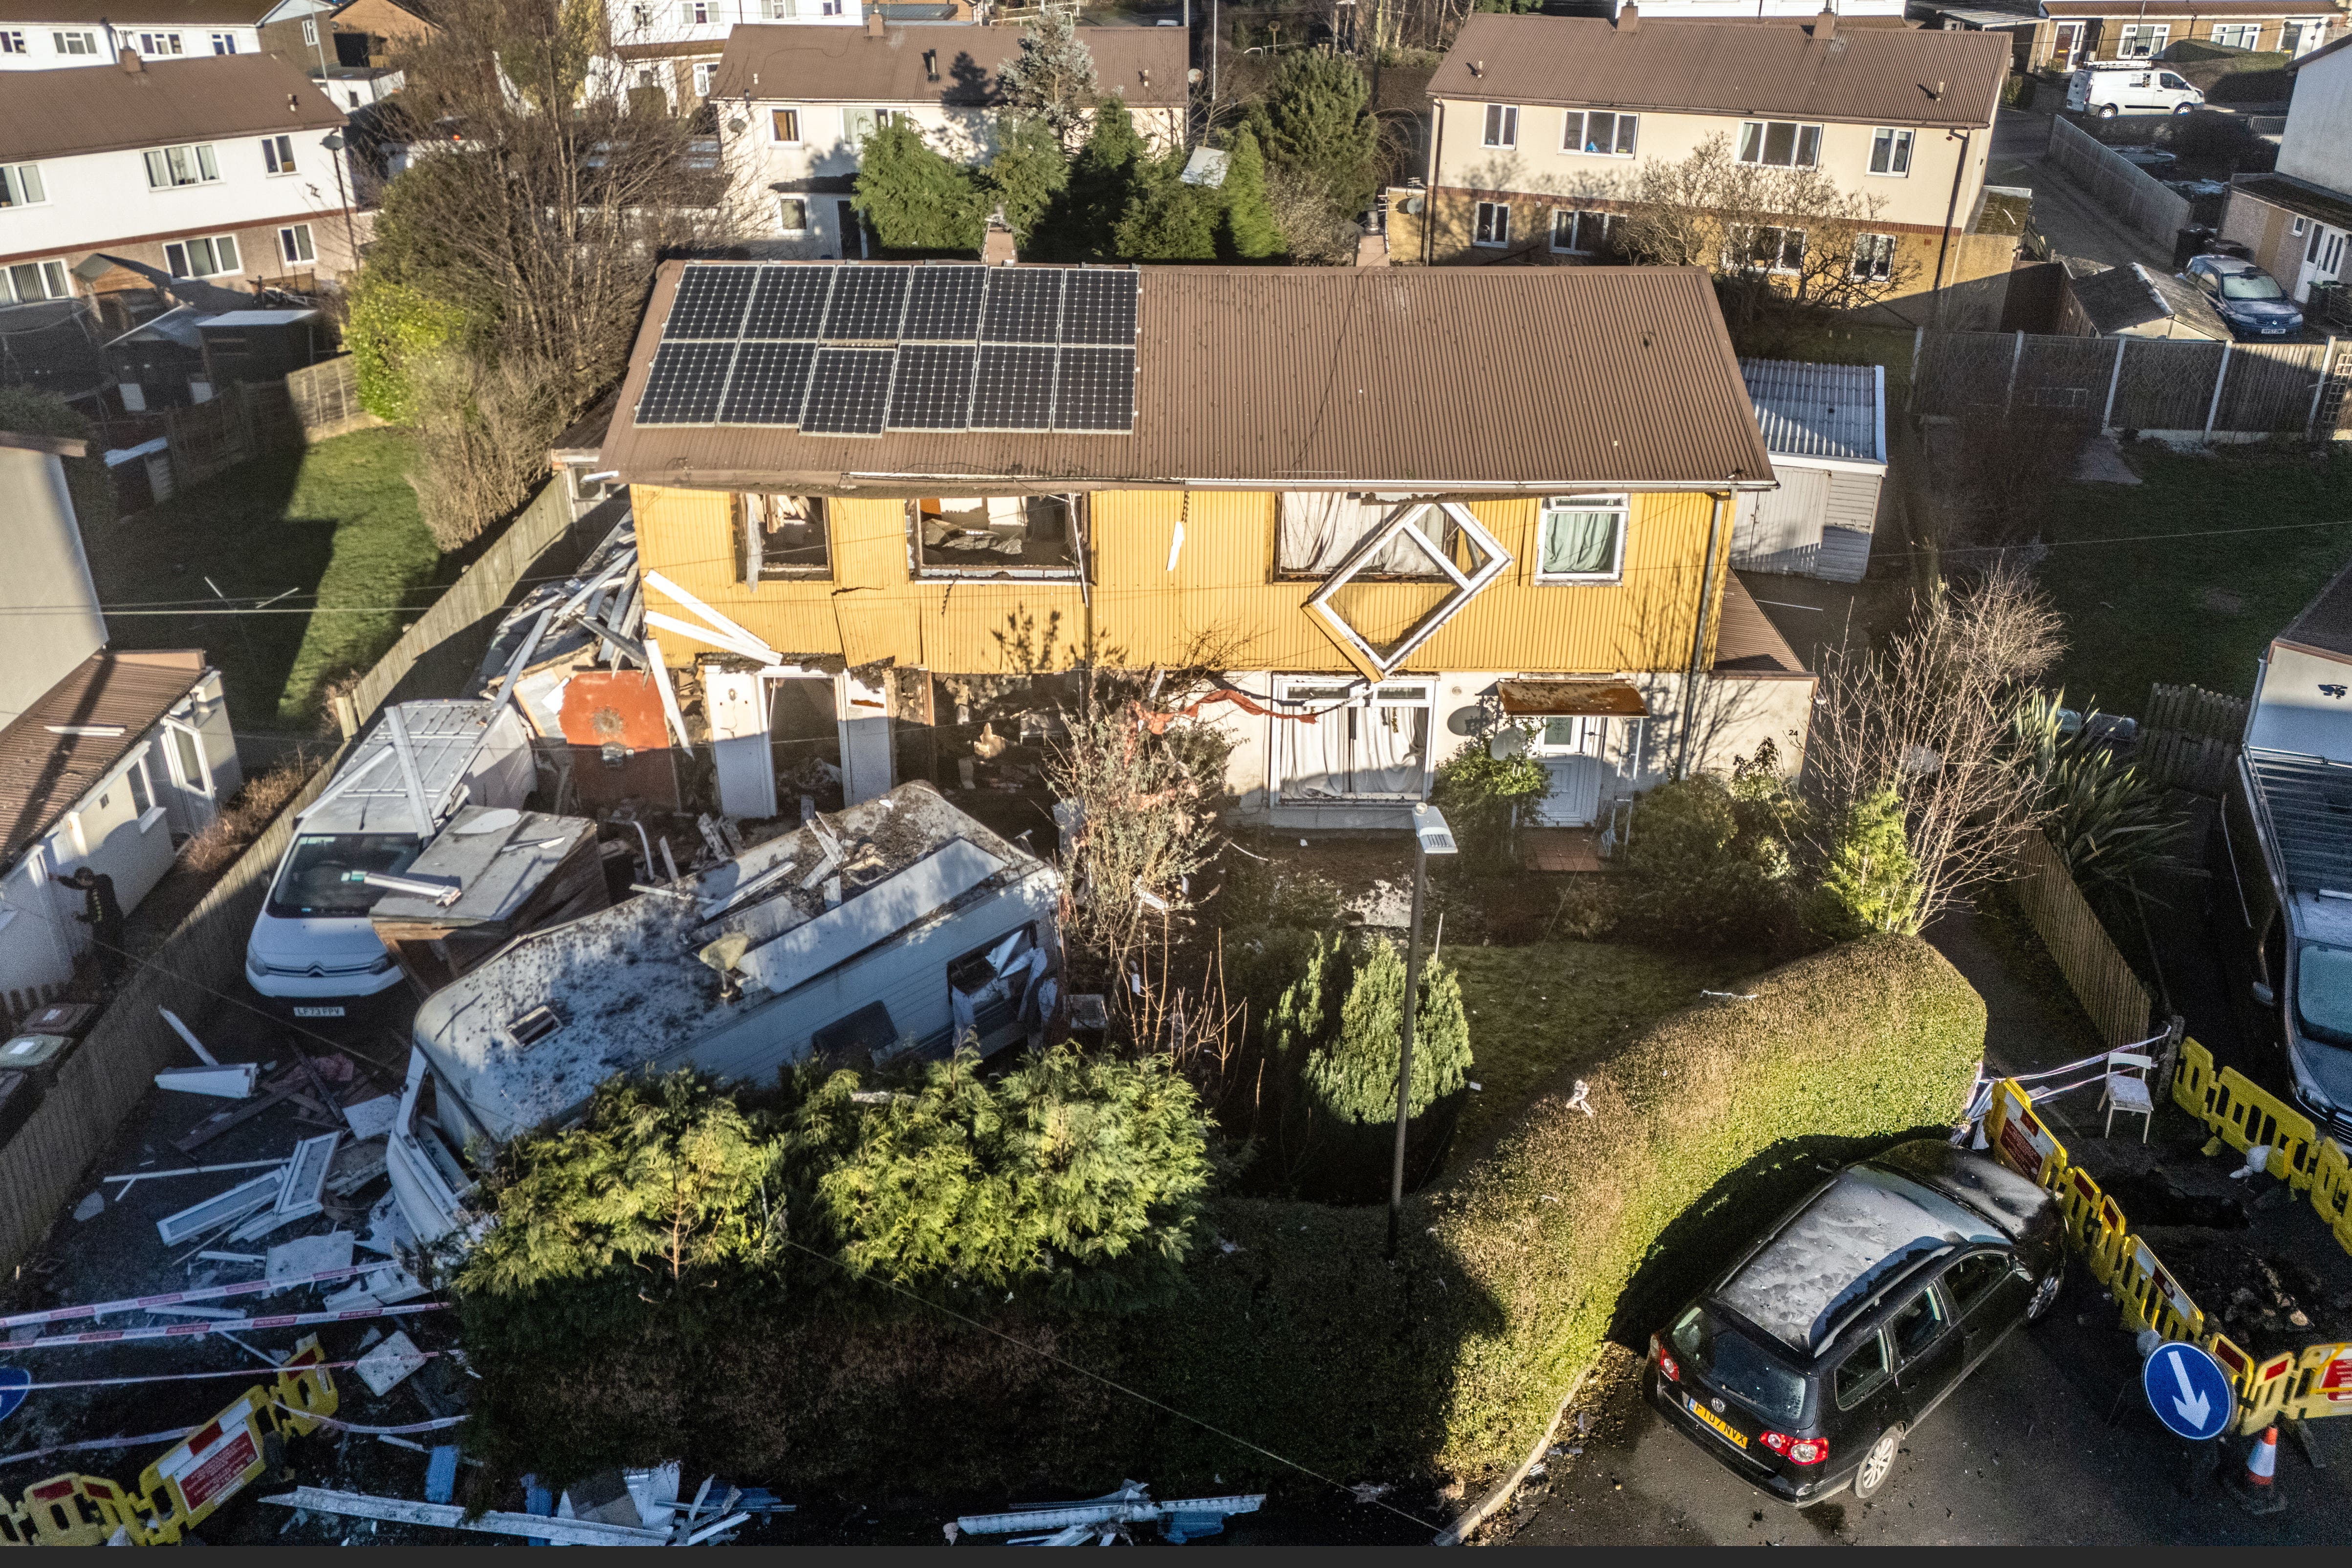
(1292, 1332)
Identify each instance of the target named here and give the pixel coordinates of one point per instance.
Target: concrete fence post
(2115, 380)
(2319, 387)
(2220, 380)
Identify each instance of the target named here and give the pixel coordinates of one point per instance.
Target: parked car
(2130, 87)
(1804, 1367)
(2155, 159)
(2249, 298)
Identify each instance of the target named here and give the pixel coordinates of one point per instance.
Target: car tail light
(1796, 1450)
(1665, 1361)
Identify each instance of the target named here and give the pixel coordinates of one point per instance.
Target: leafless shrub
(245, 814)
(486, 431)
(1929, 714)
(1318, 232)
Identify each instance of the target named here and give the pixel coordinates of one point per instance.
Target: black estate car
(1838, 1332)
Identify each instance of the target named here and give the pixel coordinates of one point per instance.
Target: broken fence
(2180, 389)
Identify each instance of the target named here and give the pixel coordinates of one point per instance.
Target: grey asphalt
(2069, 216)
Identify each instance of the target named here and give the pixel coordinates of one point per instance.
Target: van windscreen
(322, 873)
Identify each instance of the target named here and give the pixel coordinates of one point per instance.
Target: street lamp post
(1431, 836)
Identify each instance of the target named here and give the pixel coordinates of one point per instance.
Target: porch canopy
(1572, 699)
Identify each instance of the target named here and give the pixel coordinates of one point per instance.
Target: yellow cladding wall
(1217, 606)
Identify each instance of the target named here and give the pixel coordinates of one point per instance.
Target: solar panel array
(859, 348)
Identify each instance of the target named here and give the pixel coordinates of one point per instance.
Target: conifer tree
(915, 197)
(1354, 1078)
(1248, 231)
(1318, 124)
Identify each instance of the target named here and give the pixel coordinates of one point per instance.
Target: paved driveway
(2071, 219)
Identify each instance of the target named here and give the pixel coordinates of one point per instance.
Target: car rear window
(1740, 1367)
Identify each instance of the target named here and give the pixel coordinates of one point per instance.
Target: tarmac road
(2021, 1453)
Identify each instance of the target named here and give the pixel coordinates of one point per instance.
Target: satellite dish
(494, 821)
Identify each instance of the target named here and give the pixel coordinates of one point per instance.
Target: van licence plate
(1723, 1428)
(317, 1012)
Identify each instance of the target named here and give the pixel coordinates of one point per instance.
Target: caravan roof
(370, 793)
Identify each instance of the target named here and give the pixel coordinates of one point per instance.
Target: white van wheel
(2184, 109)
(2107, 111)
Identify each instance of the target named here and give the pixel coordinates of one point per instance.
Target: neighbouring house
(2297, 219)
(896, 926)
(1543, 124)
(44, 35)
(1825, 426)
(1879, 12)
(1365, 499)
(107, 759)
(2060, 35)
(366, 33)
(673, 47)
(809, 97)
(2136, 301)
(209, 178)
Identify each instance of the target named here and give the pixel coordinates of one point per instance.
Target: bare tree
(486, 429)
(1766, 231)
(1930, 715)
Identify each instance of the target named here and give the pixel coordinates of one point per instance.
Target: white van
(312, 944)
(2130, 87)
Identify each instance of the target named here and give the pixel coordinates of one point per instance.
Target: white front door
(736, 707)
(1570, 751)
(1341, 742)
(2323, 259)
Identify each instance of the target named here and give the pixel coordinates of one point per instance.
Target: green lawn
(2199, 609)
(337, 522)
(1535, 1011)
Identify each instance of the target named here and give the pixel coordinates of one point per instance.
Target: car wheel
(2045, 1294)
(1870, 1476)
(2108, 112)
(2183, 108)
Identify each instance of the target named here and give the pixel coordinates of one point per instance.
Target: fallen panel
(305, 1256)
(449, 1516)
(234, 1082)
(222, 1209)
(383, 1367)
(304, 1193)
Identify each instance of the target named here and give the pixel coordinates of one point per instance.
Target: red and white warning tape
(202, 1293)
(234, 1325)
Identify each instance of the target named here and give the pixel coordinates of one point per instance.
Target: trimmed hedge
(1302, 1339)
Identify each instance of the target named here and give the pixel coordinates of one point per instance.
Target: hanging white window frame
(1493, 561)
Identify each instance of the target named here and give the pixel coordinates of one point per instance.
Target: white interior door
(737, 703)
(1570, 750)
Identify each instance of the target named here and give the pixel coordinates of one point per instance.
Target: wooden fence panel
(2191, 738)
(2119, 1007)
(43, 1167)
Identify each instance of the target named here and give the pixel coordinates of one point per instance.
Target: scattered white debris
(1372, 1492)
(450, 1516)
(1577, 1102)
(233, 1083)
(308, 1255)
(372, 1118)
(91, 1206)
(383, 1368)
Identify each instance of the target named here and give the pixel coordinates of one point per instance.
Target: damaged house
(1382, 509)
(899, 925)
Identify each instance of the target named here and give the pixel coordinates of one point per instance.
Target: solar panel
(1014, 387)
(848, 391)
(790, 301)
(1096, 390)
(1098, 307)
(943, 304)
(709, 302)
(867, 303)
(767, 385)
(685, 384)
(1024, 307)
(934, 386)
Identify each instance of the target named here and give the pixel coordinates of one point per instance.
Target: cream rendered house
(1542, 125)
(796, 102)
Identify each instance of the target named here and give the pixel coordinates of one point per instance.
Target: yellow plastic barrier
(2331, 1183)
(2019, 1139)
(192, 1478)
(2250, 1117)
(2192, 1081)
(2321, 1385)
(2149, 1298)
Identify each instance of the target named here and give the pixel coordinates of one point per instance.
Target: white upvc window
(309, 32)
(224, 43)
(1890, 151)
(1502, 125)
(704, 71)
(1874, 257)
(1599, 132)
(1365, 743)
(1779, 144)
(1765, 247)
(23, 282)
(792, 215)
(1494, 225)
(213, 256)
(12, 41)
(189, 165)
(159, 43)
(21, 186)
(2237, 35)
(294, 245)
(2140, 40)
(784, 127)
(780, 10)
(277, 154)
(1582, 539)
(78, 45)
(694, 12)
(1576, 233)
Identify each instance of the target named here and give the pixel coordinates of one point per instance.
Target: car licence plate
(1723, 1428)
(317, 1012)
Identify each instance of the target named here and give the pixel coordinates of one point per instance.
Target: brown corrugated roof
(43, 774)
(140, 13)
(103, 109)
(847, 65)
(1304, 378)
(1884, 76)
(1747, 641)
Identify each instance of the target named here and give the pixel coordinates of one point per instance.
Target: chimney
(931, 65)
(1940, 93)
(874, 23)
(1825, 25)
(1477, 67)
(996, 245)
(131, 63)
(1629, 17)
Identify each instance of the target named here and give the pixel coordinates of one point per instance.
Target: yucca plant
(2109, 820)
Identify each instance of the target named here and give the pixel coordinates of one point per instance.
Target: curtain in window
(1389, 750)
(1579, 542)
(1321, 530)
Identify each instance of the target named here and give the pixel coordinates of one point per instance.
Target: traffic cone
(2257, 1488)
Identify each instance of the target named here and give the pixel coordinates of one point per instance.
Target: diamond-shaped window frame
(1493, 561)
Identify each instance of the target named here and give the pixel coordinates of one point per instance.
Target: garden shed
(1825, 426)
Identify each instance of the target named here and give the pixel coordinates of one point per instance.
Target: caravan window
(322, 872)
(989, 986)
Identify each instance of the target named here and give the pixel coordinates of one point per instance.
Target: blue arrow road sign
(14, 1381)
(2188, 1391)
